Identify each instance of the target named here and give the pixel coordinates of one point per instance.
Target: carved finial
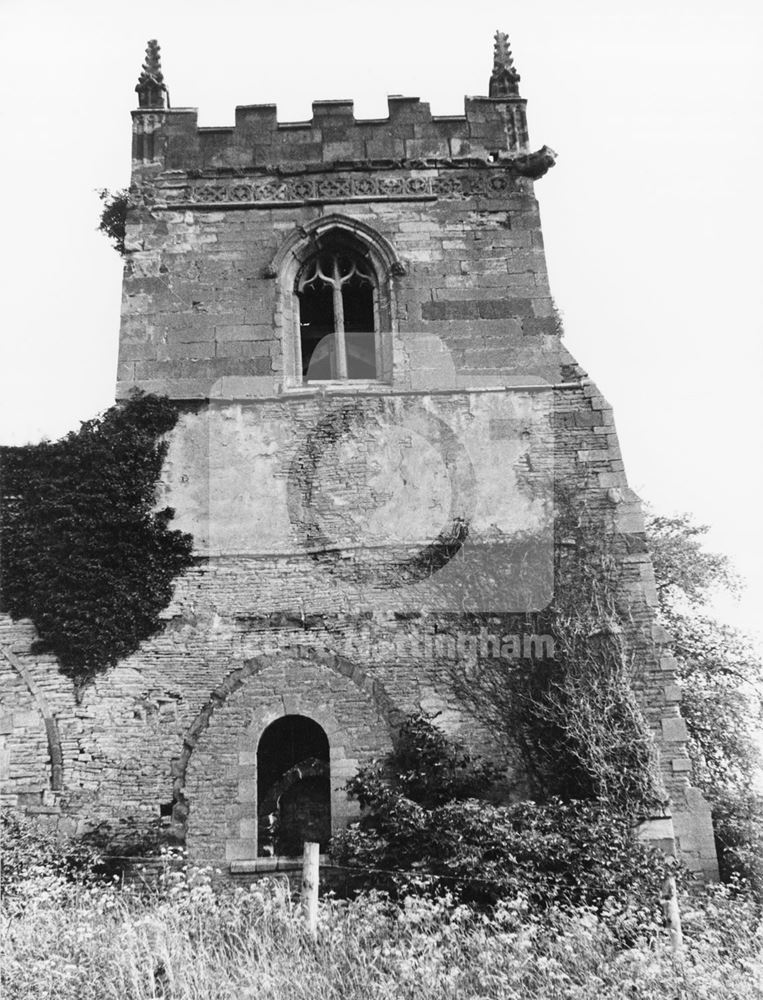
(150, 86)
(504, 80)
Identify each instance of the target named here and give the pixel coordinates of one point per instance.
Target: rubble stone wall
(316, 509)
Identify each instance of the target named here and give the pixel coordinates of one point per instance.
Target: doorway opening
(293, 787)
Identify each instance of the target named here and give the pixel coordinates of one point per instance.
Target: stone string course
(422, 183)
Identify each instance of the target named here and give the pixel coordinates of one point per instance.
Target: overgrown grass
(187, 940)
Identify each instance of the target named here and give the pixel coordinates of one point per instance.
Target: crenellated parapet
(492, 130)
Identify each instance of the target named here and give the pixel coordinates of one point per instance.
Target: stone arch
(293, 785)
(49, 721)
(302, 241)
(215, 776)
(301, 244)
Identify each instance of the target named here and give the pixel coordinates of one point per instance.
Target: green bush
(113, 222)
(443, 835)
(29, 851)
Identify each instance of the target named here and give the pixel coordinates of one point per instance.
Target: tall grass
(186, 939)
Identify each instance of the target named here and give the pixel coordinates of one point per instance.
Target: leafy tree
(720, 673)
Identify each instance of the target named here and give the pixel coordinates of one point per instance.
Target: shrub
(721, 673)
(31, 851)
(113, 221)
(446, 837)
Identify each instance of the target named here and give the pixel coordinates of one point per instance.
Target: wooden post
(672, 916)
(310, 876)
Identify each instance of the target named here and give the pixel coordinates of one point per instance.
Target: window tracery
(337, 292)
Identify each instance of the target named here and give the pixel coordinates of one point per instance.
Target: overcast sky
(652, 217)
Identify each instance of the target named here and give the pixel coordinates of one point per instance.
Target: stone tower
(354, 317)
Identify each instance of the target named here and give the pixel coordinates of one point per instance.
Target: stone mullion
(339, 341)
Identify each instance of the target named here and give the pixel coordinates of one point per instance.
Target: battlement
(490, 129)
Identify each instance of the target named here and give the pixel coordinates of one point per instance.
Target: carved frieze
(341, 187)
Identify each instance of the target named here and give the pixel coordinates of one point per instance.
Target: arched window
(293, 787)
(335, 307)
(337, 290)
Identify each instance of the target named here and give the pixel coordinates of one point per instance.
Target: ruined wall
(256, 634)
(318, 512)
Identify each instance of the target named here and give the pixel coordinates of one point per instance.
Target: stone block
(674, 729)
(243, 849)
(681, 765)
(243, 349)
(242, 387)
(248, 829)
(672, 693)
(239, 331)
(657, 828)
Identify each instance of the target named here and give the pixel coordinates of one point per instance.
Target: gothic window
(338, 325)
(336, 304)
(293, 789)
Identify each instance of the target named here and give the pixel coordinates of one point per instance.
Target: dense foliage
(722, 676)
(85, 554)
(114, 218)
(186, 938)
(428, 826)
(29, 850)
(573, 719)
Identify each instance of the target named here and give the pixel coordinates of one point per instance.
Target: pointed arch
(378, 259)
(304, 240)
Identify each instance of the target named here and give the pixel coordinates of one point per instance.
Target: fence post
(310, 877)
(672, 915)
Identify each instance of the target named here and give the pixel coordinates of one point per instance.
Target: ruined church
(355, 321)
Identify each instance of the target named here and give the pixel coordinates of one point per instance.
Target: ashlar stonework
(355, 319)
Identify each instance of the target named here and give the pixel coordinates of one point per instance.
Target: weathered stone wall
(320, 512)
(171, 140)
(469, 298)
(263, 629)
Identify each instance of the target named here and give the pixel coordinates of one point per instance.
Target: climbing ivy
(574, 718)
(85, 554)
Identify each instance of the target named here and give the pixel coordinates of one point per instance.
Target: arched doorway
(293, 786)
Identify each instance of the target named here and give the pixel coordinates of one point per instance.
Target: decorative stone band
(357, 185)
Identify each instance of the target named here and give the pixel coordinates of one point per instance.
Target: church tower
(355, 321)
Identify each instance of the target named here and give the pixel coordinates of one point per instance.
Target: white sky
(652, 216)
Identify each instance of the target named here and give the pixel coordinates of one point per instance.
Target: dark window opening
(293, 787)
(337, 317)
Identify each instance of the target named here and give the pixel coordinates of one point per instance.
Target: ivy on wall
(83, 551)
(574, 718)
